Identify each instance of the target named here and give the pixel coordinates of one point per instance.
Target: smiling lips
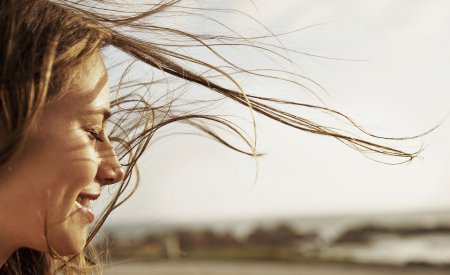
(83, 203)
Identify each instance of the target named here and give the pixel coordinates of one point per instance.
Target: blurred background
(311, 205)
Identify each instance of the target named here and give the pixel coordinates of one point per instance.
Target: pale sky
(401, 88)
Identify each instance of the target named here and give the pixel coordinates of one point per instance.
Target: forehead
(87, 89)
(90, 80)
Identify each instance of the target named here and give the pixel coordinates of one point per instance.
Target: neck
(5, 252)
(7, 241)
(7, 246)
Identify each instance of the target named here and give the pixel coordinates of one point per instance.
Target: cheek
(64, 161)
(77, 160)
(78, 172)
(66, 164)
(49, 178)
(67, 229)
(72, 176)
(72, 167)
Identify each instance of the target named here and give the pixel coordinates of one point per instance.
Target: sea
(399, 239)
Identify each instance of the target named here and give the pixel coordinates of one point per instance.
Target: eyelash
(95, 135)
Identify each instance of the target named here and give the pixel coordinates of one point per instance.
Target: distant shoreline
(190, 267)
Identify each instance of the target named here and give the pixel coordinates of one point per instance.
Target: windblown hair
(44, 41)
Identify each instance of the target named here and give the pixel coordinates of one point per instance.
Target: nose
(110, 170)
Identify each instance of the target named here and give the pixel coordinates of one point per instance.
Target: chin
(70, 249)
(69, 241)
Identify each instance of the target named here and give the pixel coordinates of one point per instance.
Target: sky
(394, 81)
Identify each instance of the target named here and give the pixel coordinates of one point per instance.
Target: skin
(61, 159)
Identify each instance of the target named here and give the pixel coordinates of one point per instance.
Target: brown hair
(44, 41)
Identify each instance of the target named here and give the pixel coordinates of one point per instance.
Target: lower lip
(86, 212)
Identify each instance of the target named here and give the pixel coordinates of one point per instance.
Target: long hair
(44, 41)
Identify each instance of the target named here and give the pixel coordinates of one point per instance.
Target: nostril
(115, 175)
(108, 181)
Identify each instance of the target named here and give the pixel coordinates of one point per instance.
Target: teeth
(84, 201)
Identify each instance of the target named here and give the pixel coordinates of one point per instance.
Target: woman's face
(65, 162)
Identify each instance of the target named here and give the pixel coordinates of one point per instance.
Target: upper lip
(89, 195)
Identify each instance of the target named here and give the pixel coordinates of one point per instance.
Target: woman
(55, 151)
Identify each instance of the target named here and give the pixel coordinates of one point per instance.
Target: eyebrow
(106, 113)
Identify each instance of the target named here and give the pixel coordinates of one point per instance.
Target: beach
(262, 268)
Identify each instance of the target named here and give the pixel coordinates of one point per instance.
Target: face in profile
(66, 160)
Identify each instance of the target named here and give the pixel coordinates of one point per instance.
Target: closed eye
(95, 135)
